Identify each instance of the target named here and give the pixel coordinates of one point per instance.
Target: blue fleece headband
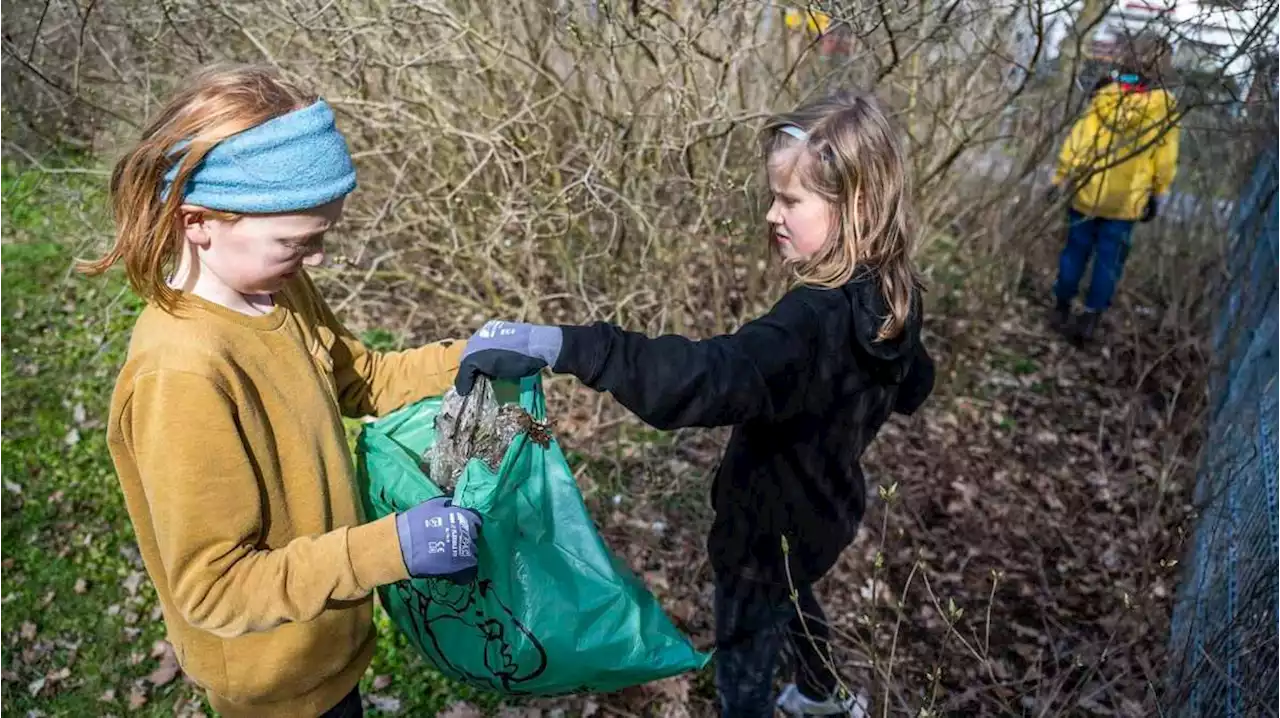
(293, 162)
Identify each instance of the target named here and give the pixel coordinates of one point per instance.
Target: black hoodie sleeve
(918, 384)
(759, 372)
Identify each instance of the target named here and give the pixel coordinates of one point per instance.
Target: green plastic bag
(552, 611)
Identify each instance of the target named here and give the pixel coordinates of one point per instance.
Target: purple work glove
(507, 350)
(437, 540)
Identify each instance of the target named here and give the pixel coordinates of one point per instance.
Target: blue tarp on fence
(1224, 632)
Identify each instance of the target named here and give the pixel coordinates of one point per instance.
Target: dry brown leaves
(1037, 522)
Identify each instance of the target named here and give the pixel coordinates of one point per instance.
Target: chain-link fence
(1224, 625)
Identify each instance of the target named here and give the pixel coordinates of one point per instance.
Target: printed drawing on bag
(463, 627)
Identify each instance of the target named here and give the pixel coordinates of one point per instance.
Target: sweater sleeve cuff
(432, 373)
(452, 354)
(374, 551)
(448, 359)
(578, 355)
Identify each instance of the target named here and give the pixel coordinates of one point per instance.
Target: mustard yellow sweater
(227, 436)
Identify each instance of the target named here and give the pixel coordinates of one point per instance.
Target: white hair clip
(795, 132)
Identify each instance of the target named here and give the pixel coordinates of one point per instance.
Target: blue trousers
(1107, 241)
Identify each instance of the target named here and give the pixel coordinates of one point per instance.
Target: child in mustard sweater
(226, 422)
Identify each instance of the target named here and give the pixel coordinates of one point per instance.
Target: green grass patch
(80, 613)
(1025, 366)
(78, 627)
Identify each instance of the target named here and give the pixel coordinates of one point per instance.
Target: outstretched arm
(759, 372)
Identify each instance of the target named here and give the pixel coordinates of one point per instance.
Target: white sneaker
(794, 703)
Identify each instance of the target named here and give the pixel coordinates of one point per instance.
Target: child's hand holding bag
(507, 350)
(437, 539)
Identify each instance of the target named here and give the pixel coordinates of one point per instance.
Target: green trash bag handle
(479, 488)
(532, 398)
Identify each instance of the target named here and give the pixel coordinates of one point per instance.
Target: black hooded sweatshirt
(807, 387)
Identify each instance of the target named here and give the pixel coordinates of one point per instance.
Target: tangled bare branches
(571, 161)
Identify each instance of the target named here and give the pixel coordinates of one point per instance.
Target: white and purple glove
(507, 350)
(437, 540)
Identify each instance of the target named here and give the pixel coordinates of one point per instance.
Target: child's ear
(195, 224)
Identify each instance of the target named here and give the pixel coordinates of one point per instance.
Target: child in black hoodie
(807, 387)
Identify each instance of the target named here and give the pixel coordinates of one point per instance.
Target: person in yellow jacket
(834, 38)
(814, 21)
(1118, 163)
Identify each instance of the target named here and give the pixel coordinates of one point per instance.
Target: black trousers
(754, 620)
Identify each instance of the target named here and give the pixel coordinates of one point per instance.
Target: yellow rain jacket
(1123, 151)
(812, 20)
